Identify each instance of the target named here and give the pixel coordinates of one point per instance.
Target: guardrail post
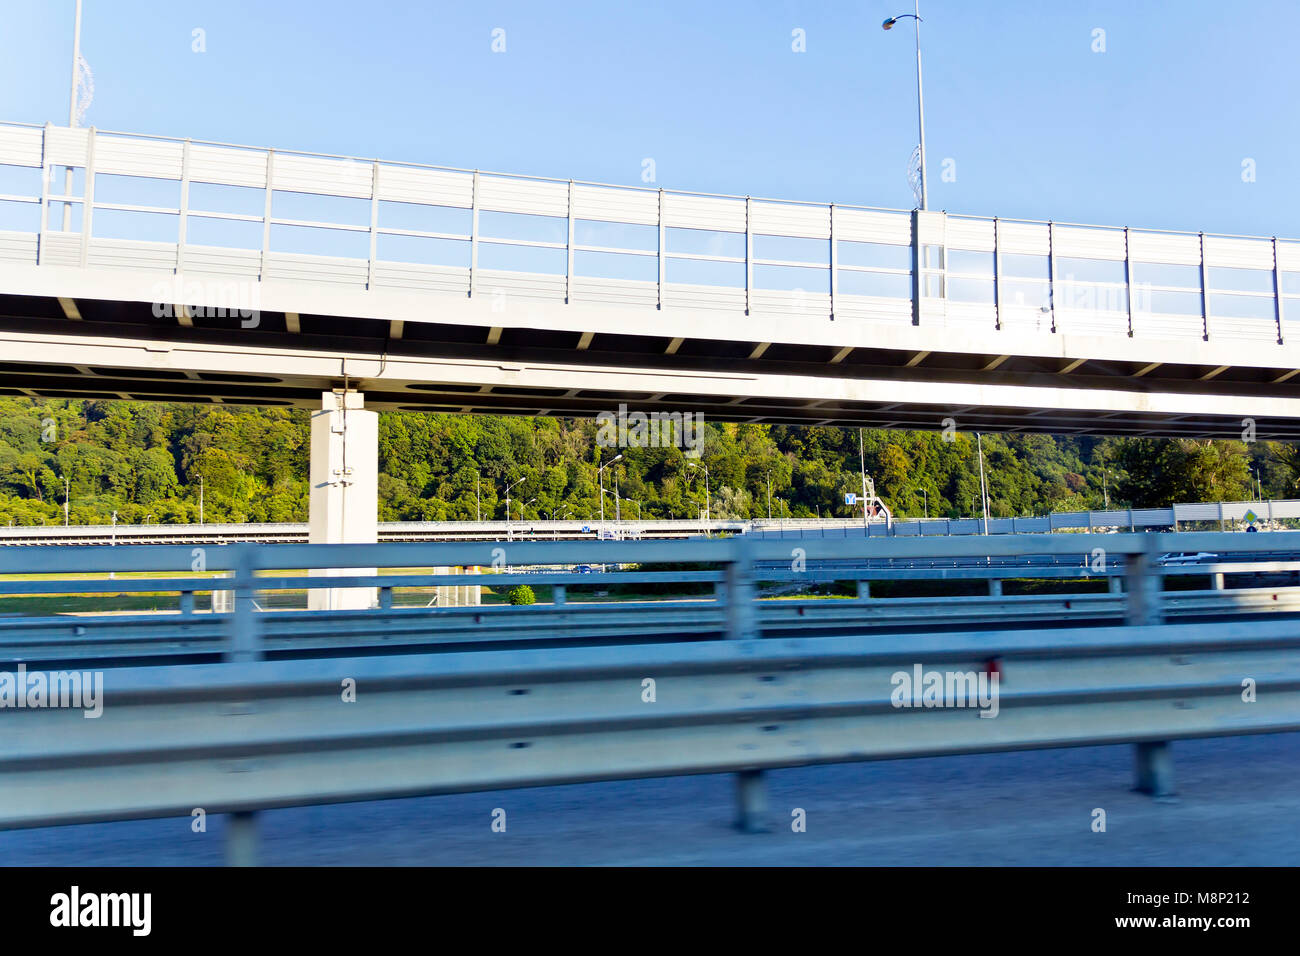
(557, 594)
(1116, 584)
(1154, 761)
(864, 590)
(1155, 768)
(187, 602)
(995, 587)
(742, 625)
(739, 593)
(241, 839)
(1144, 586)
(1216, 580)
(751, 802)
(385, 599)
(245, 639)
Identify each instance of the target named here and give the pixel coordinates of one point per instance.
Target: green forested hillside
(144, 461)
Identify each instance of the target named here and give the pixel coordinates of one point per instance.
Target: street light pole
(67, 493)
(708, 505)
(920, 98)
(862, 461)
(509, 526)
(984, 495)
(600, 477)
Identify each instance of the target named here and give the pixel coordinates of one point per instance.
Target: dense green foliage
(145, 461)
(521, 594)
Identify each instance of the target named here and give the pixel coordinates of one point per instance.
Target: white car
(1178, 558)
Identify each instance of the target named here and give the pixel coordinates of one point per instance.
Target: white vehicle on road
(1180, 558)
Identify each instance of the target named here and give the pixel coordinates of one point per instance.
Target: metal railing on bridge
(215, 211)
(1222, 513)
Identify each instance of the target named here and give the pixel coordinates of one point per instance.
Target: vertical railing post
(835, 262)
(241, 838)
(917, 265)
(245, 642)
(1153, 759)
(183, 224)
(1128, 283)
(661, 248)
(1051, 273)
(739, 593)
(374, 226)
(741, 624)
(88, 197)
(473, 236)
(997, 277)
(47, 170)
(266, 210)
(568, 248)
(1205, 295)
(749, 257)
(1154, 768)
(1277, 294)
(1144, 585)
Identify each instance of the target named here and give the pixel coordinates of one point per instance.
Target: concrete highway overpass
(190, 271)
(144, 268)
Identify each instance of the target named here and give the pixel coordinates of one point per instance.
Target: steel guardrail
(242, 737)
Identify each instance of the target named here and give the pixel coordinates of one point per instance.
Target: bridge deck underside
(112, 349)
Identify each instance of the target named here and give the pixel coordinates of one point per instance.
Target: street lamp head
(889, 24)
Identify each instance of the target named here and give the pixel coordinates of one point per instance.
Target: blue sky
(1152, 132)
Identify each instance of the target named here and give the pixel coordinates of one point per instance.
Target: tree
(521, 594)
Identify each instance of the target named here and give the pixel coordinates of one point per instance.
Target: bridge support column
(241, 839)
(1155, 768)
(344, 490)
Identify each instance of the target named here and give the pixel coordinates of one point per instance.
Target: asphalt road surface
(1238, 804)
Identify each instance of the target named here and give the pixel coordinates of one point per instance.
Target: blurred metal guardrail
(238, 738)
(1220, 512)
(248, 734)
(131, 639)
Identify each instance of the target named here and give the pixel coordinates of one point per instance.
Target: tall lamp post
(984, 495)
(920, 99)
(509, 526)
(708, 506)
(600, 477)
